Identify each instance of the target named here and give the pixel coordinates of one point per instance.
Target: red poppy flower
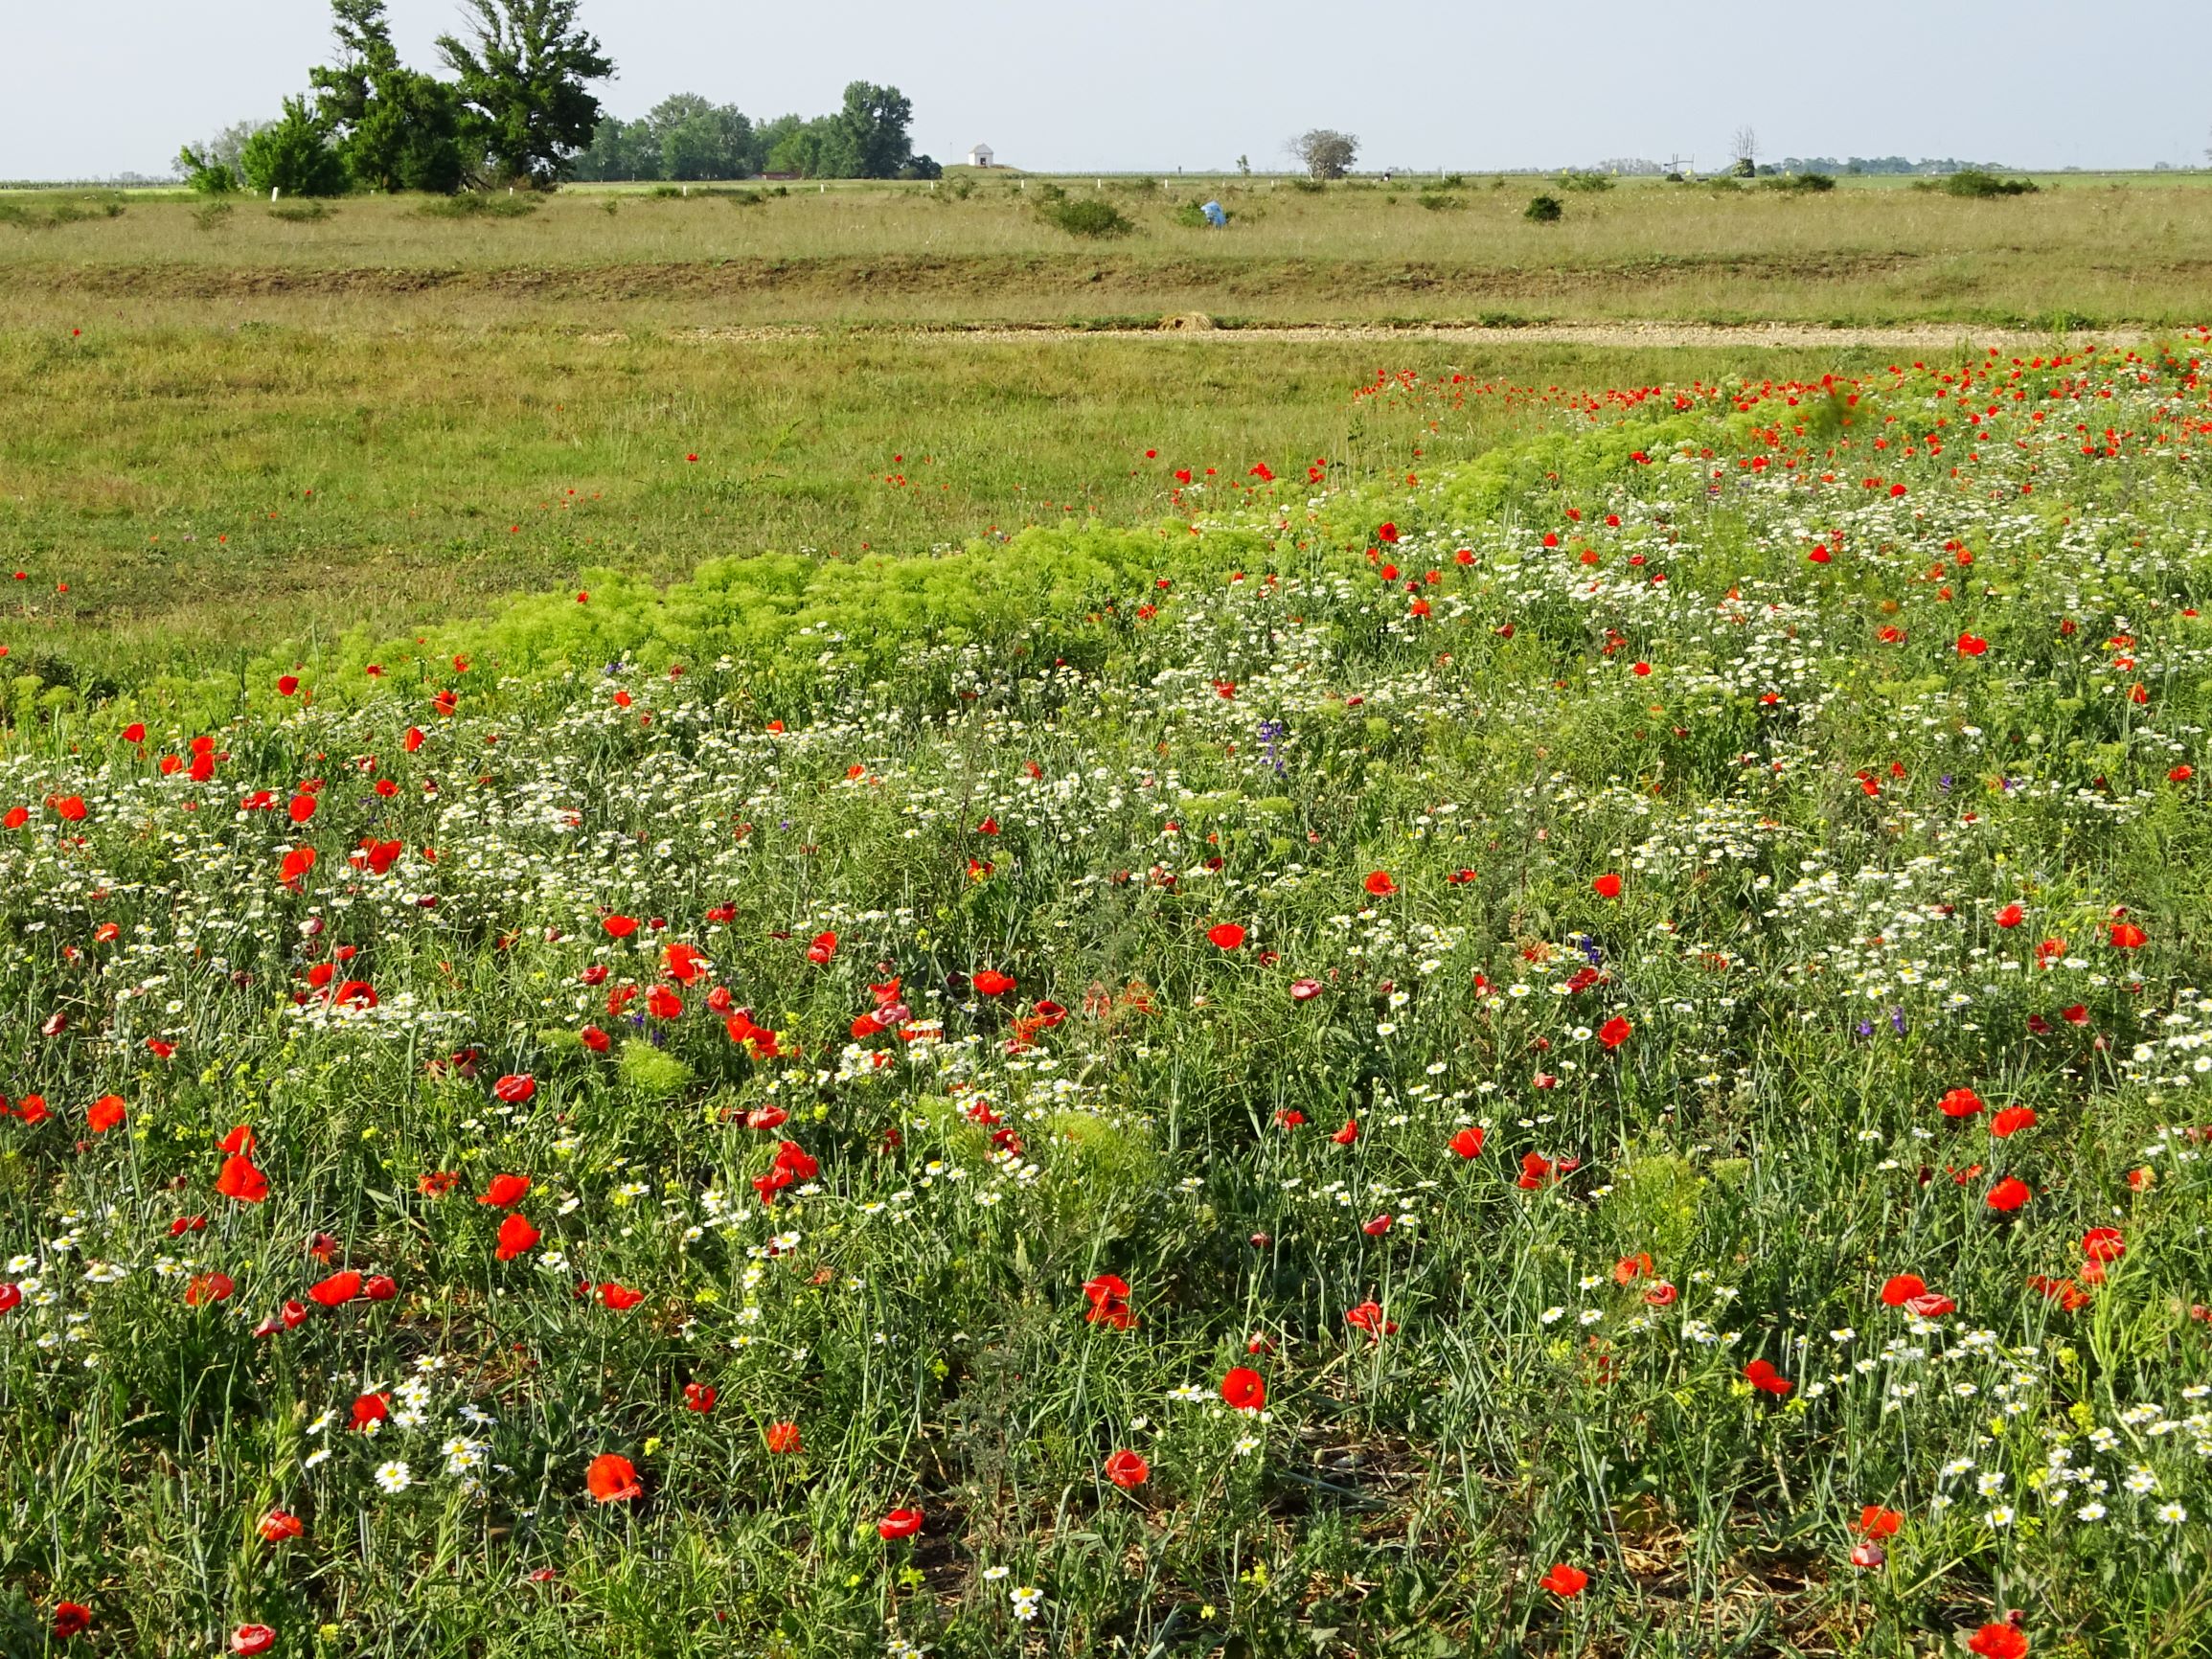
(505, 1192)
(1901, 1288)
(105, 1113)
(1875, 1522)
(1379, 885)
(337, 1289)
(71, 1618)
(595, 1039)
(2104, 1244)
(1535, 1170)
(2009, 1195)
(699, 1397)
(302, 808)
(1565, 1582)
(1960, 1103)
(247, 1640)
(515, 1236)
(619, 926)
(612, 1479)
(384, 1288)
(1614, 1032)
(2011, 916)
(1109, 1295)
(1348, 1134)
(2011, 1121)
(991, 983)
(1226, 934)
(2126, 936)
(1128, 1469)
(686, 963)
(1931, 1306)
(1245, 1388)
(278, 1525)
(368, 1408)
(1305, 989)
(207, 1289)
(1607, 886)
(297, 863)
(516, 1088)
(241, 1181)
(1972, 644)
(822, 949)
(900, 1524)
(664, 1003)
(1762, 1376)
(438, 1183)
(10, 1298)
(71, 808)
(1999, 1642)
(619, 1298)
(1368, 1317)
(1467, 1142)
(783, 1437)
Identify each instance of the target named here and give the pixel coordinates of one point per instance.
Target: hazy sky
(89, 88)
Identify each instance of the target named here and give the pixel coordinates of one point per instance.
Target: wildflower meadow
(1600, 1049)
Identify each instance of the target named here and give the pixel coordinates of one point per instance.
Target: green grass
(199, 490)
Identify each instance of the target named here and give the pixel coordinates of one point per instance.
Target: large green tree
(873, 130)
(396, 127)
(699, 139)
(525, 75)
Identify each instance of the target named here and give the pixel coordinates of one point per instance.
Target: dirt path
(1800, 337)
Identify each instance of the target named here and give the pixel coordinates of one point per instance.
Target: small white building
(982, 155)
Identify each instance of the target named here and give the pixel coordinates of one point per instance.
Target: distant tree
(874, 127)
(1325, 154)
(922, 167)
(1744, 149)
(698, 139)
(294, 155)
(395, 127)
(525, 76)
(619, 149)
(204, 174)
(805, 147)
(343, 89)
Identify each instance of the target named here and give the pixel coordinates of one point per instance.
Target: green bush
(1545, 210)
(1977, 184)
(1584, 181)
(1438, 202)
(1088, 216)
(293, 157)
(477, 205)
(204, 174)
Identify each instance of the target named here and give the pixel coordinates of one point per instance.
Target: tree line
(517, 108)
(691, 137)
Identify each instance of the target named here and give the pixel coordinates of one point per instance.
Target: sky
(95, 88)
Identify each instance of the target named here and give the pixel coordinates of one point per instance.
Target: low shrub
(1545, 210)
(1088, 216)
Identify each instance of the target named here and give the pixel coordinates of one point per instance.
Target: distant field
(2082, 252)
(231, 420)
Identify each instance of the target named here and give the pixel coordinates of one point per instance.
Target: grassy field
(2097, 251)
(236, 420)
(198, 490)
(708, 959)
(1597, 1052)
